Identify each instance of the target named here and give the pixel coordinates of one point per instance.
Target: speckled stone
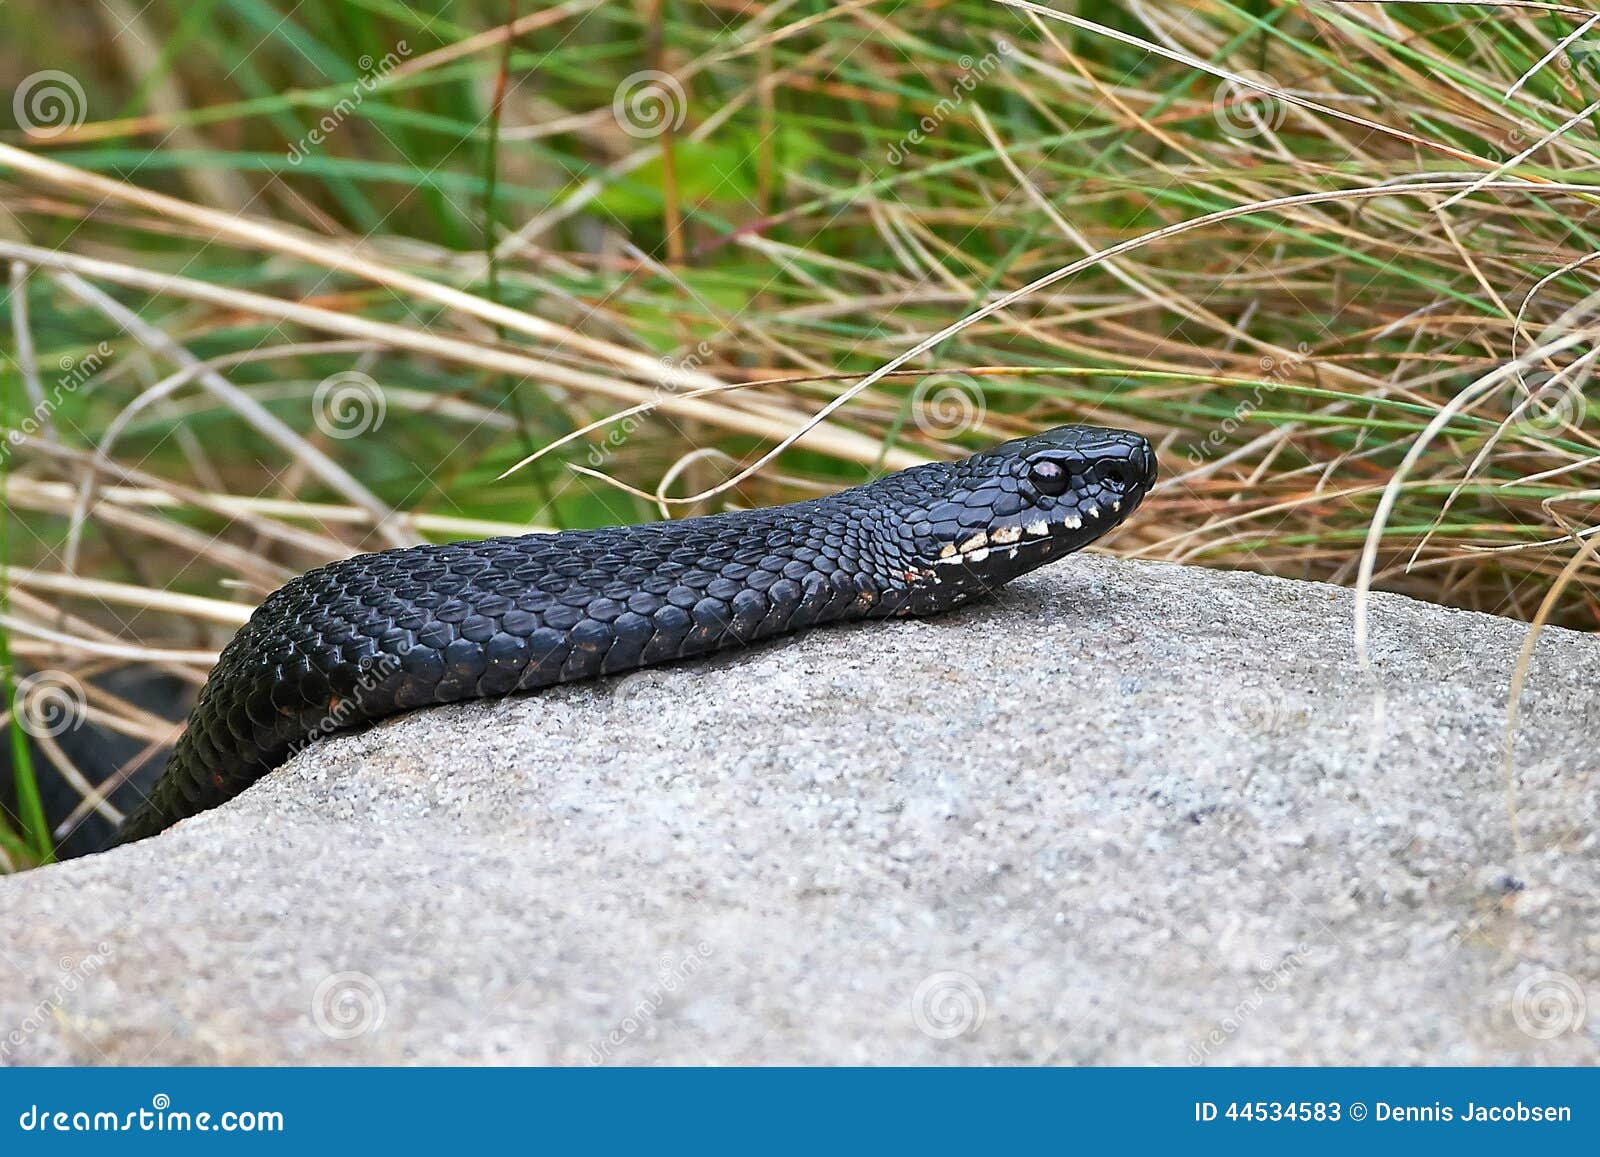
(1129, 813)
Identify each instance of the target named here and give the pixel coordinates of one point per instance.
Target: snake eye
(1048, 477)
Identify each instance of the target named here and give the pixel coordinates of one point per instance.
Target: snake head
(968, 526)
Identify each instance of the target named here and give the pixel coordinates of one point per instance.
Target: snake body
(378, 634)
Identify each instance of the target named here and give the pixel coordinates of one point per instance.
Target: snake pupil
(1049, 477)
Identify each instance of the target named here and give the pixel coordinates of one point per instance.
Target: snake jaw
(1001, 514)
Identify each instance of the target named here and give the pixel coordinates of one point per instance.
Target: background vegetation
(289, 281)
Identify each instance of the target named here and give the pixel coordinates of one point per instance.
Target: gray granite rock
(1129, 813)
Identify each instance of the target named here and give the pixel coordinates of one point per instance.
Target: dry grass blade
(1337, 260)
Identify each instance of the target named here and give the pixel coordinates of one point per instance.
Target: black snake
(378, 634)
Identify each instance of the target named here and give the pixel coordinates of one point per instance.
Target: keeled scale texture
(377, 634)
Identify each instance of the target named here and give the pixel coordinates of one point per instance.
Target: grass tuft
(295, 281)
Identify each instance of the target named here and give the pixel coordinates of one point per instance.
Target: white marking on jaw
(1075, 522)
(1092, 511)
(1116, 504)
(977, 547)
(1039, 529)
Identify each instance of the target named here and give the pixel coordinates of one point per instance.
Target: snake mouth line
(984, 543)
(1037, 532)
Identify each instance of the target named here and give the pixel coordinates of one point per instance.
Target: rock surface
(1129, 813)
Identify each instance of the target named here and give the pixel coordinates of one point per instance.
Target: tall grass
(302, 280)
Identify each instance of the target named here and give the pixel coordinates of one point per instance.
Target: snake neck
(375, 635)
